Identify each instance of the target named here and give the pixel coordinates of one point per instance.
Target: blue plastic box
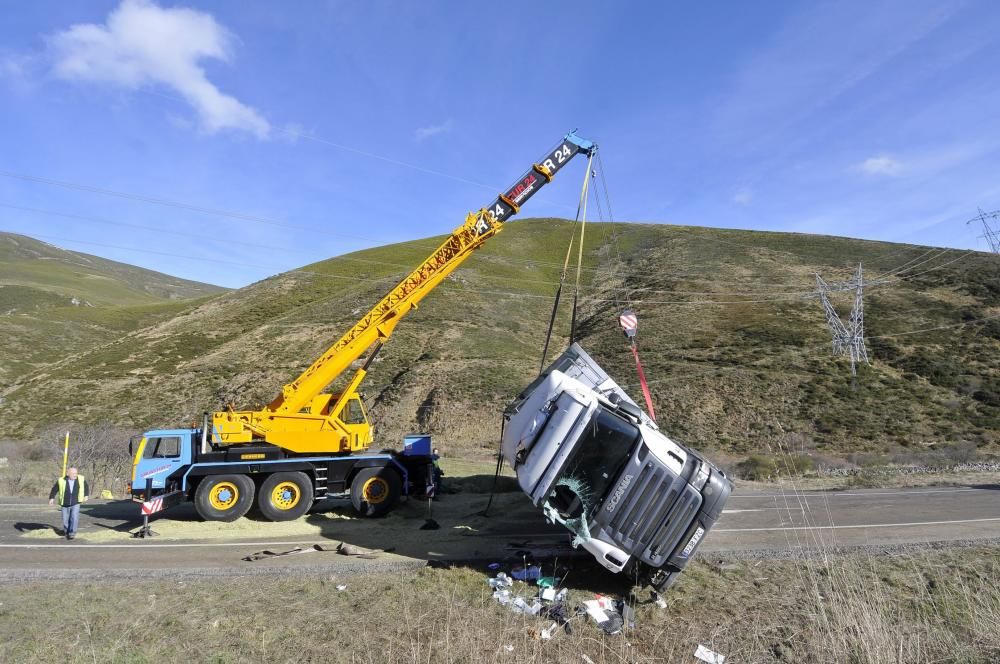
(417, 444)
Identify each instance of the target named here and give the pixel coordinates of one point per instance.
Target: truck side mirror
(130, 452)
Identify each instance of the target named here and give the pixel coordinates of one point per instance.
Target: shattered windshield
(589, 472)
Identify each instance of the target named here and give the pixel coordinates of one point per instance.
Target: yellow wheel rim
(375, 490)
(285, 495)
(224, 495)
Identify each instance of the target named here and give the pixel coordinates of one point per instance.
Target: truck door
(355, 420)
(162, 454)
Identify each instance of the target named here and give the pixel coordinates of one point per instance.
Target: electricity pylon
(848, 339)
(991, 234)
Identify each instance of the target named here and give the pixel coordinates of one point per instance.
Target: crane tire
(285, 496)
(224, 497)
(375, 491)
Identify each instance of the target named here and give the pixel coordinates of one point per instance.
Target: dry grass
(933, 606)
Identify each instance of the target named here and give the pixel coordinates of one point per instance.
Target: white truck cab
(594, 462)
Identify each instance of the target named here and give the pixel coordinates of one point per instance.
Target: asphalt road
(753, 523)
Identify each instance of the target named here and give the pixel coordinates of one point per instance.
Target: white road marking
(827, 493)
(763, 509)
(858, 525)
(904, 493)
(146, 545)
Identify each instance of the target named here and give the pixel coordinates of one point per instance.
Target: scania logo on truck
(619, 492)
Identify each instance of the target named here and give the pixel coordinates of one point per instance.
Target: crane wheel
(375, 491)
(224, 497)
(285, 496)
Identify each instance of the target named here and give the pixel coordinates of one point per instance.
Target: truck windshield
(587, 476)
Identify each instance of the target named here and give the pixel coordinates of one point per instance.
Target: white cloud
(881, 165)
(426, 132)
(13, 65)
(743, 196)
(144, 44)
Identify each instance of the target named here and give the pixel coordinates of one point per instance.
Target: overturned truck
(595, 462)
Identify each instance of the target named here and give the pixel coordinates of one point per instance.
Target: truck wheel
(224, 497)
(285, 496)
(375, 491)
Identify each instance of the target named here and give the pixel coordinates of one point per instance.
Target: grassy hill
(732, 337)
(55, 303)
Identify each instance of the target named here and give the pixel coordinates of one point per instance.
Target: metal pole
(65, 454)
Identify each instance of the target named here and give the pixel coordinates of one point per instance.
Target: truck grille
(655, 514)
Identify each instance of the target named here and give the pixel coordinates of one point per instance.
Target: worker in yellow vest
(71, 491)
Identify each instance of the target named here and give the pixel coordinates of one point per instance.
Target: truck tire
(285, 496)
(375, 491)
(224, 497)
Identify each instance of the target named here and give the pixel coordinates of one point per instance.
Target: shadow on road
(25, 527)
(464, 534)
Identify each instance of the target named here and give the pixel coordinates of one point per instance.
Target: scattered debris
(594, 609)
(341, 587)
(510, 648)
(346, 549)
(587, 659)
(500, 581)
(628, 614)
(558, 613)
(343, 549)
(266, 553)
(656, 599)
(530, 573)
(519, 605)
(610, 615)
(709, 656)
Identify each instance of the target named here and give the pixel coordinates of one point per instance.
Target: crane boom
(378, 323)
(284, 421)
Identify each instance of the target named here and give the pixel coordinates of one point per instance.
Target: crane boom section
(378, 324)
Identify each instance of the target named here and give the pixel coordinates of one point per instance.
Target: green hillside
(733, 340)
(55, 303)
(49, 270)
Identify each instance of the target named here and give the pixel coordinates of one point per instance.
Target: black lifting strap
(580, 208)
(496, 473)
(555, 306)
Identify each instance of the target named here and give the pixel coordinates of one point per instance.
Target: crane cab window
(162, 448)
(353, 413)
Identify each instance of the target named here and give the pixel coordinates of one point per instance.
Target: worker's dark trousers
(71, 517)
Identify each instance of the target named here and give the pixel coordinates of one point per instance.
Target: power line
(615, 275)
(800, 296)
(164, 201)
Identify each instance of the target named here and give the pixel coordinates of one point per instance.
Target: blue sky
(334, 126)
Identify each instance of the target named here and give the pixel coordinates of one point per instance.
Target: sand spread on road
(457, 515)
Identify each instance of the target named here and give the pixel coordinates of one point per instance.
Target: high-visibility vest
(79, 489)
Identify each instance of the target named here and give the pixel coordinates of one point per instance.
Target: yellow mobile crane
(299, 447)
